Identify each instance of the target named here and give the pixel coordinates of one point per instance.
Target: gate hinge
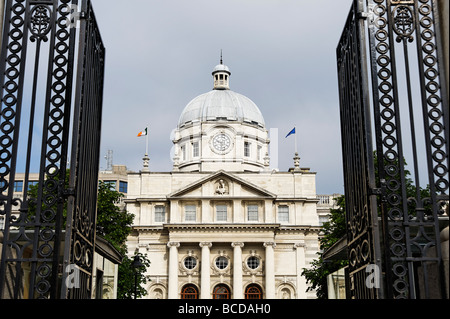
(362, 15)
(375, 191)
(68, 192)
(366, 14)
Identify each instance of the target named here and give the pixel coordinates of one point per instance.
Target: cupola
(221, 75)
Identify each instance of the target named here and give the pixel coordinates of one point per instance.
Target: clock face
(221, 142)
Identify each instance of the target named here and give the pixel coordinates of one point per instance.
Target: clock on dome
(221, 143)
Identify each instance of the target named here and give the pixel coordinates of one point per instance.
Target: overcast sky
(160, 54)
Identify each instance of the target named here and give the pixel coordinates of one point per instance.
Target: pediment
(221, 185)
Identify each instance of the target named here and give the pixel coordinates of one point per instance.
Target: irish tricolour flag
(142, 133)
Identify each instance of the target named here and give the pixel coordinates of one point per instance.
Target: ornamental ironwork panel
(82, 208)
(36, 115)
(359, 174)
(410, 133)
(411, 120)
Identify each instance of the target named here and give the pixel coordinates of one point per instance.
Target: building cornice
(229, 227)
(221, 226)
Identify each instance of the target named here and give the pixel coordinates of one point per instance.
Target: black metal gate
(36, 88)
(394, 217)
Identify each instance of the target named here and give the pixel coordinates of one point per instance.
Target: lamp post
(136, 265)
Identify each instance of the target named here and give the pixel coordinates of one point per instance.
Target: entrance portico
(251, 265)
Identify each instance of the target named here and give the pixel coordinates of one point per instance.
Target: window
(252, 213)
(195, 150)
(190, 213)
(259, 152)
(221, 262)
(183, 153)
(110, 184)
(18, 186)
(221, 213)
(283, 213)
(189, 292)
(160, 214)
(123, 187)
(190, 262)
(323, 220)
(221, 292)
(253, 292)
(253, 262)
(246, 149)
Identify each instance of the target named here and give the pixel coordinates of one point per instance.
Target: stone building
(222, 224)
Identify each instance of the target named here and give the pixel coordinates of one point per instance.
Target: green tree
(333, 230)
(114, 224)
(129, 275)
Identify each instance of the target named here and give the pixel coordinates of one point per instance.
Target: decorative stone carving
(221, 187)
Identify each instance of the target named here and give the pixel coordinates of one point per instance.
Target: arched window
(253, 292)
(221, 292)
(189, 292)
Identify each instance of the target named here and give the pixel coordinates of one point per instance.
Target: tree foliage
(333, 230)
(114, 224)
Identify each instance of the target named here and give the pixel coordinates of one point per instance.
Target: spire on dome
(221, 75)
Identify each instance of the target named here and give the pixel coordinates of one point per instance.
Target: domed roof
(221, 67)
(221, 105)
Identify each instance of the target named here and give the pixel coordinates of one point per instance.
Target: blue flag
(291, 132)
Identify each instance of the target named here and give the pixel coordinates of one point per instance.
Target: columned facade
(228, 274)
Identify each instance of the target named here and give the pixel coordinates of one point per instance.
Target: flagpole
(295, 127)
(146, 142)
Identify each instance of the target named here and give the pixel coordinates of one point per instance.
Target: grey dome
(221, 68)
(221, 105)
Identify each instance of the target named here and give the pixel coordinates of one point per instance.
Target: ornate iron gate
(45, 33)
(410, 124)
(359, 174)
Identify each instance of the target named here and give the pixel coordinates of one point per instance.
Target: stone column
(237, 271)
(173, 270)
(301, 281)
(270, 270)
(205, 276)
